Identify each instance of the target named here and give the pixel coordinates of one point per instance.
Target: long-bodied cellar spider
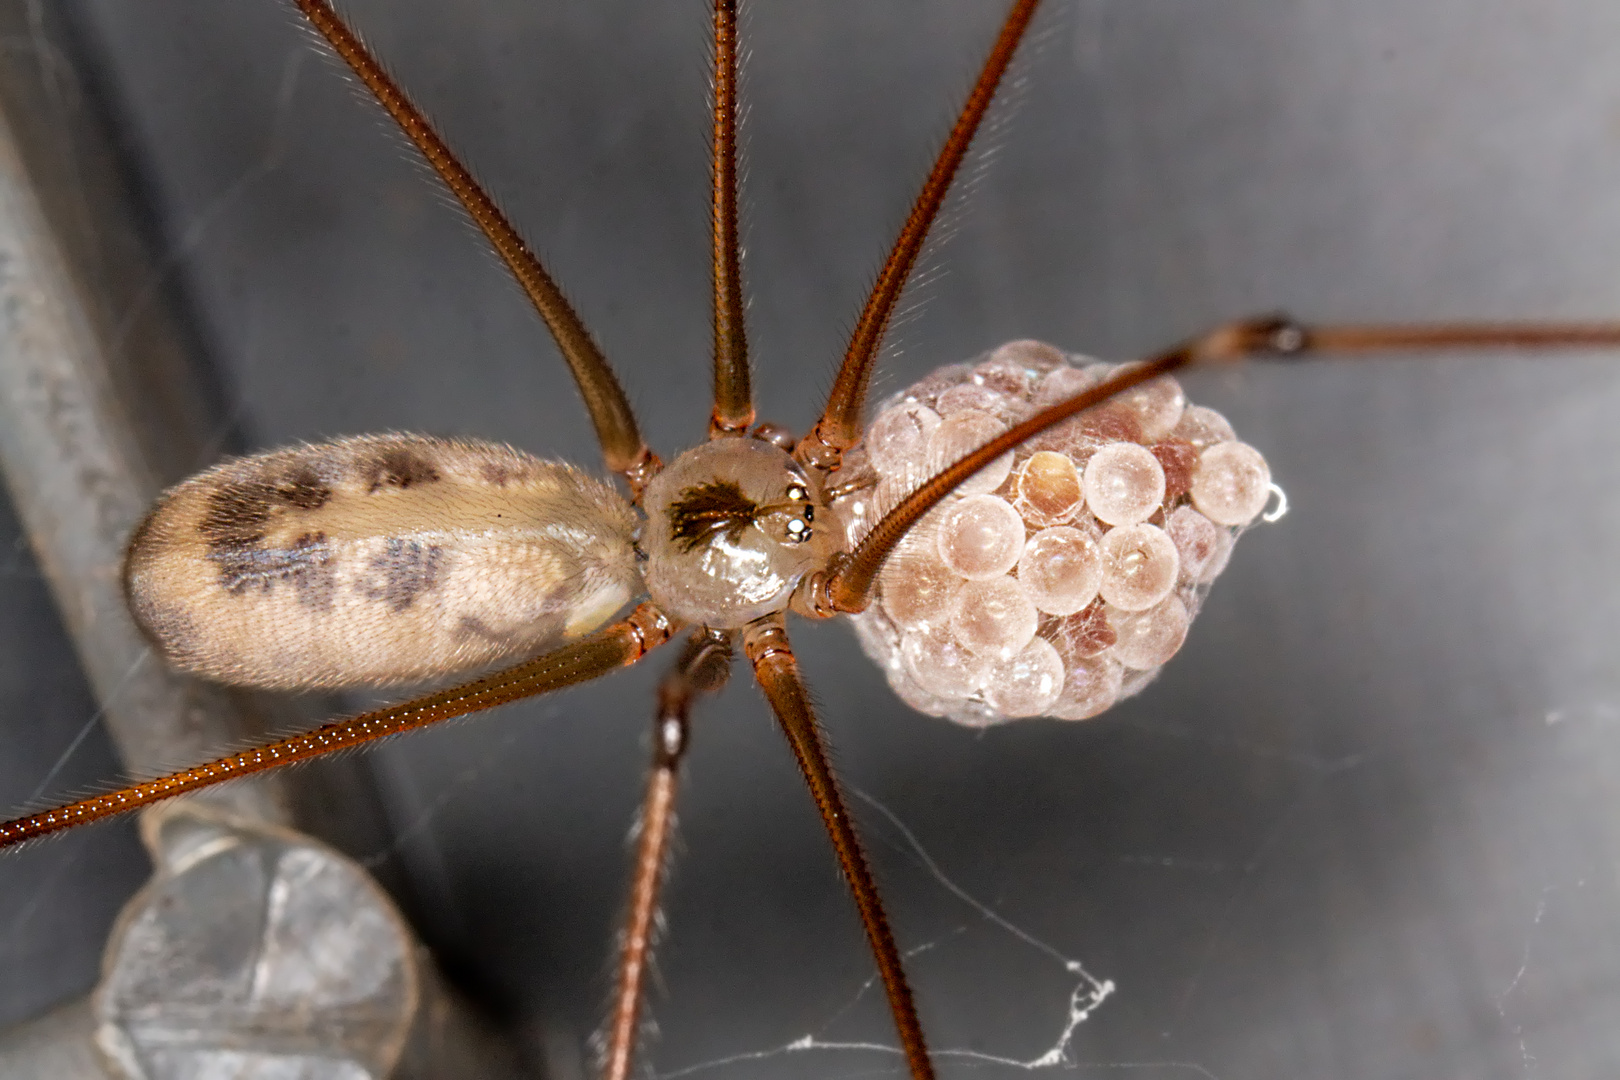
(1470, 688)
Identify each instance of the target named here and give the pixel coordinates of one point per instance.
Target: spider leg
(1428, 337)
(703, 668)
(616, 428)
(733, 398)
(840, 425)
(617, 646)
(847, 587)
(766, 645)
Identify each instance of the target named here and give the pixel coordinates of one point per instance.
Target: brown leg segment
(616, 428)
(733, 398)
(702, 668)
(847, 587)
(617, 646)
(840, 425)
(767, 647)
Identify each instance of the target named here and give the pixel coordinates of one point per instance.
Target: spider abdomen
(1058, 579)
(377, 559)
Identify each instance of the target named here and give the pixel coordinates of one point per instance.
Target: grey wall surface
(1364, 826)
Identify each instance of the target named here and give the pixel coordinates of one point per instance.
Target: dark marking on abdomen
(239, 511)
(407, 569)
(303, 488)
(309, 566)
(237, 515)
(397, 468)
(501, 472)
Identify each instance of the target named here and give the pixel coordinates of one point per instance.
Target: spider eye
(798, 493)
(798, 530)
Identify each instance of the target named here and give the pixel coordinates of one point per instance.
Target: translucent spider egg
(1139, 566)
(1231, 483)
(1004, 377)
(970, 398)
(1176, 457)
(1048, 489)
(938, 381)
(1036, 357)
(1223, 555)
(959, 435)
(1111, 422)
(1123, 484)
(1203, 427)
(1027, 683)
(1149, 638)
(1061, 570)
(1071, 439)
(897, 442)
(916, 587)
(994, 618)
(1090, 687)
(1062, 384)
(1197, 540)
(1082, 635)
(938, 662)
(1158, 405)
(880, 640)
(980, 537)
(906, 689)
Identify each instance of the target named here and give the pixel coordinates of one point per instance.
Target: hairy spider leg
(840, 425)
(622, 446)
(705, 664)
(613, 647)
(766, 644)
(733, 399)
(703, 668)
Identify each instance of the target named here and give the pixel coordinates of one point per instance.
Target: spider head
(733, 524)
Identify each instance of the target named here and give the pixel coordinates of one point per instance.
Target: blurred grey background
(1367, 825)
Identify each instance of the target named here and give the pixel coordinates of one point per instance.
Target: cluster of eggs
(1060, 577)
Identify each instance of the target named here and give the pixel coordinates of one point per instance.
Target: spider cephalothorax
(731, 531)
